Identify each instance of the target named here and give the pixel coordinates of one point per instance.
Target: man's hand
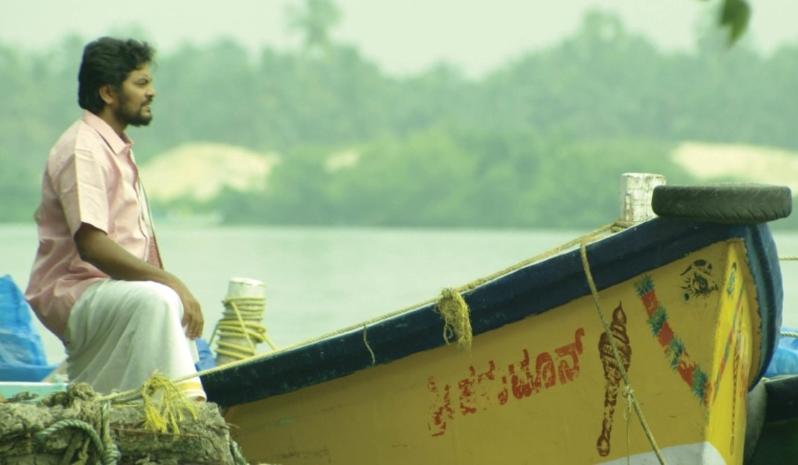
(192, 312)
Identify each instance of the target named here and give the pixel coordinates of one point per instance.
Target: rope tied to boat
(87, 428)
(105, 446)
(789, 258)
(456, 318)
(241, 320)
(630, 395)
(627, 414)
(165, 405)
(368, 346)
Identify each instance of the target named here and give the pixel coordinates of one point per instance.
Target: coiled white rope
(241, 321)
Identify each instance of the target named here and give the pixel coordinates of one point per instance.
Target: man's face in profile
(135, 96)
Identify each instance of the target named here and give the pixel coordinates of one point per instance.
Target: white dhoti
(120, 332)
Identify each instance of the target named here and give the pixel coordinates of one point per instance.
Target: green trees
(453, 177)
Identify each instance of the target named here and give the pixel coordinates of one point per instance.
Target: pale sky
(402, 36)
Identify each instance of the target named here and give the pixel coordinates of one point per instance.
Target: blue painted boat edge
(530, 290)
(763, 261)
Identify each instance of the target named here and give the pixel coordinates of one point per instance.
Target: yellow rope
(241, 319)
(627, 385)
(456, 317)
(592, 235)
(163, 415)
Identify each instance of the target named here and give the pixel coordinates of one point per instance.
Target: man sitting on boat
(97, 280)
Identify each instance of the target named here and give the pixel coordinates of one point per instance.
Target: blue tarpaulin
(22, 356)
(206, 360)
(785, 357)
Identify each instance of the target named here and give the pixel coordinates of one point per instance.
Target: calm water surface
(322, 279)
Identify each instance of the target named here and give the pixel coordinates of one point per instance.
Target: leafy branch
(734, 15)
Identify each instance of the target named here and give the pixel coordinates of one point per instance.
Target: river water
(322, 279)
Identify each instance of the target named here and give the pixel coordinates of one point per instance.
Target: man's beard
(132, 117)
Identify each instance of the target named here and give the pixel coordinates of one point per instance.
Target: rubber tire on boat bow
(729, 204)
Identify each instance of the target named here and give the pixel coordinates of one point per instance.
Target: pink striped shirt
(91, 177)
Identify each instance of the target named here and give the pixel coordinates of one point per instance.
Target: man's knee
(157, 300)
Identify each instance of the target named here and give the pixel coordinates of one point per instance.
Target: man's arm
(95, 247)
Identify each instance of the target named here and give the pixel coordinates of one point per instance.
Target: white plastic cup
(245, 287)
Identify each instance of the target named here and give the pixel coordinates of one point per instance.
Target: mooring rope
(106, 447)
(630, 395)
(627, 414)
(160, 416)
(789, 258)
(164, 416)
(368, 346)
(456, 318)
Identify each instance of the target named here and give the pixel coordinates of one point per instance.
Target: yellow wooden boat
(687, 312)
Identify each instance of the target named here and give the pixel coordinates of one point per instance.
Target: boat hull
(692, 333)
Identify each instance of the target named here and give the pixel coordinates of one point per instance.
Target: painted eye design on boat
(697, 280)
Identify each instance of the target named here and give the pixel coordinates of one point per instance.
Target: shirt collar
(117, 144)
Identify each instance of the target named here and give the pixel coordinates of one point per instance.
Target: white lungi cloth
(120, 332)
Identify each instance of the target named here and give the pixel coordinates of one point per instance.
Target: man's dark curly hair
(108, 61)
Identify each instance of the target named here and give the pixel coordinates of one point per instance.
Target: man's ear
(108, 94)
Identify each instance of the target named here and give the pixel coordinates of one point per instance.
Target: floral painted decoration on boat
(674, 347)
(612, 373)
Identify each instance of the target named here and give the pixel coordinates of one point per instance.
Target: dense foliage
(539, 142)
